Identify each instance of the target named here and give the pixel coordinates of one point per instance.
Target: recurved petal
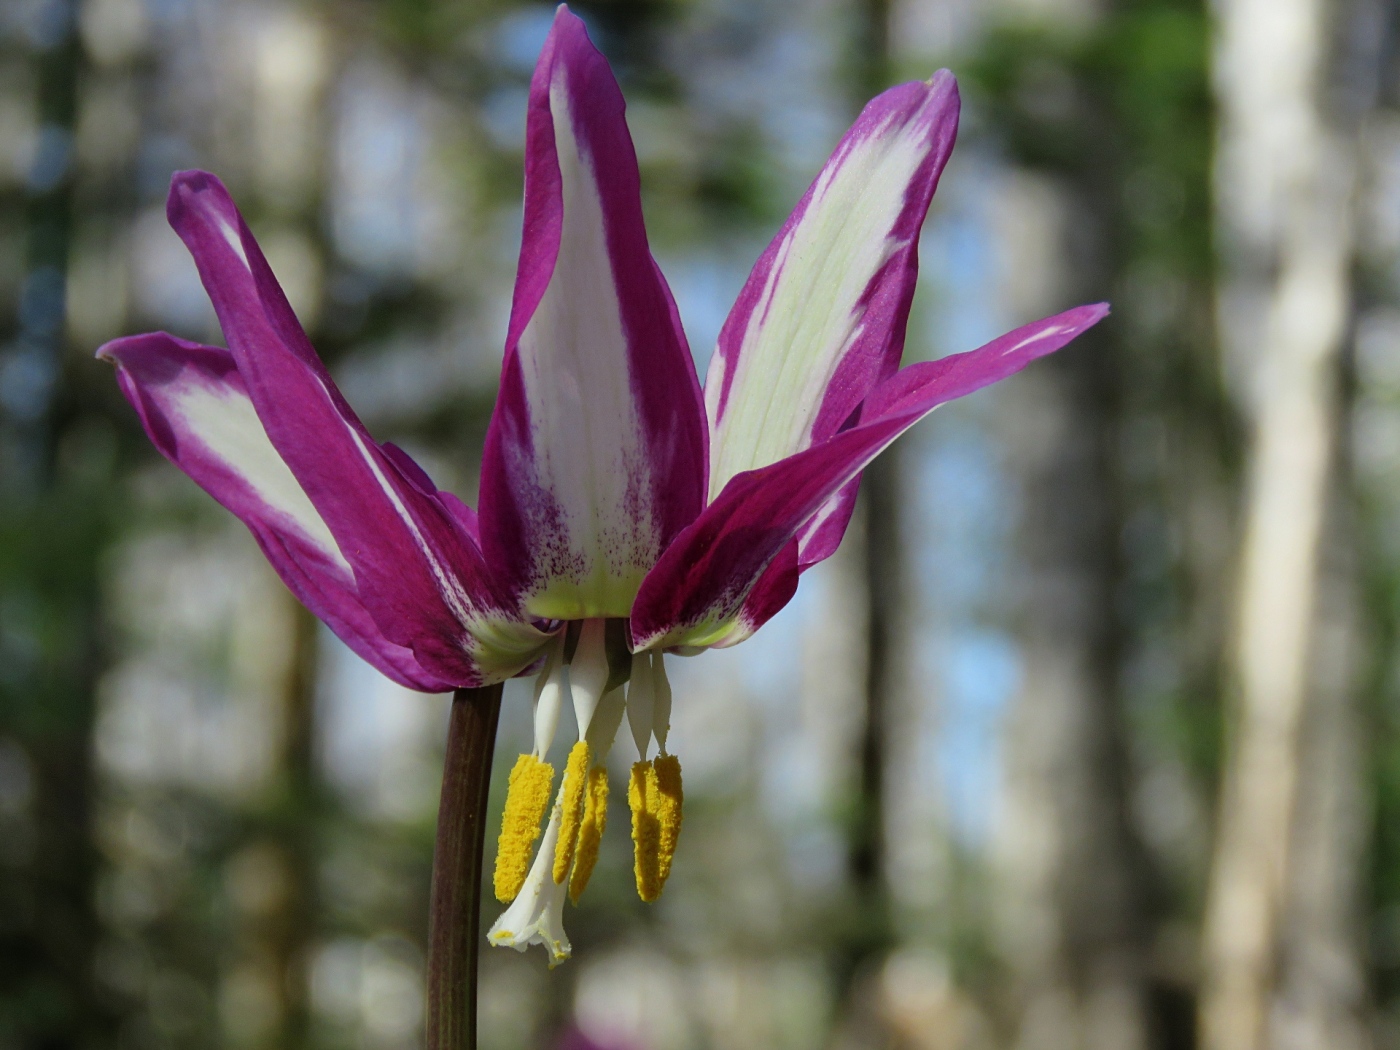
(595, 456)
(697, 594)
(774, 589)
(822, 317)
(418, 572)
(819, 537)
(196, 411)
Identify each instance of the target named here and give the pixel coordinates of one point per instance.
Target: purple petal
(595, 457)
(417, 569)
(696, 594)
(822, 317)
(197, 412)
(819, 537)
(774, 589)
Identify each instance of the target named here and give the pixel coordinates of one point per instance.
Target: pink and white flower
(618, 499)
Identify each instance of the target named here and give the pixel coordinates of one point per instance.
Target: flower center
(590, 667)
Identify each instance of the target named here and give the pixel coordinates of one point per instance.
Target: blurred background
(1088, 739)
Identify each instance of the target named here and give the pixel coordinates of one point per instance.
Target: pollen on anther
(526, 800)
(668, 811)
(575, 776)
(642, 796)
(590, 834)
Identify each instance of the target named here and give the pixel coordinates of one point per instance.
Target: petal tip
(566, 22)
(114, 350)
(943, 80)
(1095, 312)
(191, 186)
(195, 180)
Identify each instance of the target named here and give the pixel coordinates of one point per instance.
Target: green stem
(454, 914)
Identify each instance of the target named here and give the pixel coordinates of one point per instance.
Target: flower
(623, 513)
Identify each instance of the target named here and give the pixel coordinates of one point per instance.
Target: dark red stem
(454, 914)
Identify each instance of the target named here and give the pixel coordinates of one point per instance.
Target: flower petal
(697, 594)
(818, 539)
(197, 412)
(417, 570)
(774, 589)
(821, 319)
(595, 457)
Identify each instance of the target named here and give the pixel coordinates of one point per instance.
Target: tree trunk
(882, 546)
(1074, 924)
(1283, 195)
(865, 940)
(294, 927)
(1321, 995)
(53, 531)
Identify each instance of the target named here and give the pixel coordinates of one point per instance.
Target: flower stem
(454, 913)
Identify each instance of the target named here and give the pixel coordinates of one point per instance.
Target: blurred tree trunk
(292, 926)
(885, 566)
(884, 555)
(1076, 931)
(1321, 995)
(1284, 187)
(54, 514)
(869, 936)
(1120, 451)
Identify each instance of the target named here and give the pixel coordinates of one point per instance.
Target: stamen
(551, 689)
(575, 774)
(668, 811)
(640, 701)
(526, 800)
(607, 717)
(589, 672)
(642, 792)
(661, 704)
(590, 834)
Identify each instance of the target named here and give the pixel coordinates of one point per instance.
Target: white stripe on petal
(224, 421)
(809, 312)
(583, 415)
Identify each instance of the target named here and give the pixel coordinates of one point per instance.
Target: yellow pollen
(595, 818)
(668, 810)
(575, 773)
(526, 800)
(642, 793)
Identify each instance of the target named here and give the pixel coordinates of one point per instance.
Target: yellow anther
(526, 800)
(642, 794)
(668, 810)
(575, 773)
(590, 834)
